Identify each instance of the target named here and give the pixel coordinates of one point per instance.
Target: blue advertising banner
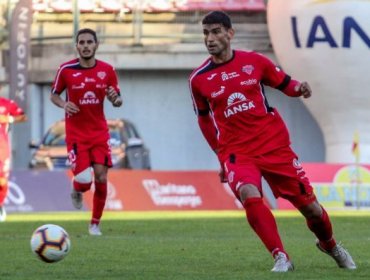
(33, 191)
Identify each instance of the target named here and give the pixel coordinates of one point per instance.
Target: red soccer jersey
(7, 108)
(86, 87)
(233, 92)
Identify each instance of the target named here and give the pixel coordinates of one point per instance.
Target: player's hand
(221, 174)
(304, 89)
(113, 97)
(117, 102)
(71, 108)
(6, 119)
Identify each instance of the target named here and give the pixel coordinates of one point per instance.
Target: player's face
(217, 38)
(86, 46)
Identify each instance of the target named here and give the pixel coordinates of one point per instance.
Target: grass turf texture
(179, 245)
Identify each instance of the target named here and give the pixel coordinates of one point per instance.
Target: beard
(87, 56)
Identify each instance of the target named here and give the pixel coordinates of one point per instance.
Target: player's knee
(312, 210)
(101, 177)
(84, 177)
(248, 191)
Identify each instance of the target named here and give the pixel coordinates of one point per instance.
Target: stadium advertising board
(166, 190)
(33, 191)
(337, 186)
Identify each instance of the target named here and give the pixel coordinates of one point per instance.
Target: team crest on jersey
(101, 75)
(248, 69)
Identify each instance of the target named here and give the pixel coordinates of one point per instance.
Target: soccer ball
(50, 243)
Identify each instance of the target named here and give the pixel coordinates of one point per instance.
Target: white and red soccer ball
(51, 243)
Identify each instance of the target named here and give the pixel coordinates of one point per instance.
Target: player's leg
(288, 180)
(4, 175)
(245, 181)
(319, 223)
(101, 162)
(3, 194)
(79, 158)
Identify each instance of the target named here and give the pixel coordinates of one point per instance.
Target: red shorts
(281, 170)
(82, 155)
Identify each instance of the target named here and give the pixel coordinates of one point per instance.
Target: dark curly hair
(215, 17)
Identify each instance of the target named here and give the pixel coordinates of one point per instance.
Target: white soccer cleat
(282, 264)
(76, 199)
(94, 229)
(2, 214)
(340, 255)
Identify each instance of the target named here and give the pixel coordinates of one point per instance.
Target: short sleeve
(59, 83)
(272, 75)
(200, 103)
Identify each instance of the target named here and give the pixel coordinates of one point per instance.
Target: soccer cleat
(94, 229)
(76, 199)
(340, 255)
(282, 264)
(2, 214)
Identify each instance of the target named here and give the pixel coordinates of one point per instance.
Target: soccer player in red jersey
(10, 112)
(251, 139)
(87, 81)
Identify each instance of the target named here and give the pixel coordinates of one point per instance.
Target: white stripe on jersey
(58, 75)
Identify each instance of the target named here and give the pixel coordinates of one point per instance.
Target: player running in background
(87, 81)
(252, 141)
(10, 112)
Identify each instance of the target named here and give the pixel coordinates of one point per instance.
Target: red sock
(263, 223)
(80, 187)
(100, 196)
(322, 228)
(3, 193)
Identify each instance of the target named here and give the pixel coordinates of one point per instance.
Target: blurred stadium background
(154, 46)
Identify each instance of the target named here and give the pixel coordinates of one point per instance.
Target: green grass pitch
(179, 245)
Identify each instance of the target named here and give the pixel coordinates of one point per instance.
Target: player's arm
(295, 88)
(19, 118)
(208, 129)
(113, 91)
(58, 86)
(69, 107)
(205, 120)
(15, 113)
(275, 77)
(114, 97)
